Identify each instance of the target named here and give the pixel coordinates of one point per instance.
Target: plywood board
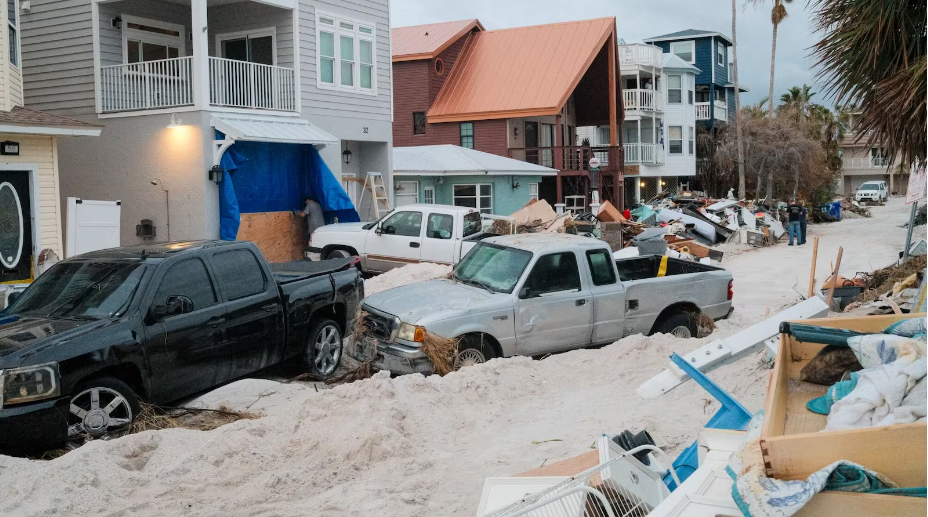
(281, 236)
(568, 467)
(849, 504)
(609, 213)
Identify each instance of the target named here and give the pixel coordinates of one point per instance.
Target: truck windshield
(90, 290)
(869, 186)
(472, 223)
(493, 267)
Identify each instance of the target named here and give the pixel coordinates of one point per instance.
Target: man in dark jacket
(803, 216)
(793, 212)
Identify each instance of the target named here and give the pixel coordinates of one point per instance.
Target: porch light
(642, 184)
(515, 183)
(175, 121)
(346, 155)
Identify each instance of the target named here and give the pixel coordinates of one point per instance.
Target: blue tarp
(272, 177)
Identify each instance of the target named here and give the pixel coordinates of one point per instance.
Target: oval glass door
(12, 230)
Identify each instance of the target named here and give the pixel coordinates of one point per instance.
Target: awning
(451, 160)
(278, 129)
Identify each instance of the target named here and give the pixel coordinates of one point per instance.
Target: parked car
(536, 294)
(98, 332)
(409, 234)
(872, 191)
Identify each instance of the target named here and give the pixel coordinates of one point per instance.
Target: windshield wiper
(480, 284)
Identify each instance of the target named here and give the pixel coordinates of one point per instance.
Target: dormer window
(14, 32)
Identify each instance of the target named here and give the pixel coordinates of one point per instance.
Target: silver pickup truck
(536, 294)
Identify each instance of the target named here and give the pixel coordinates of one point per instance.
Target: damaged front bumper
(397, 358)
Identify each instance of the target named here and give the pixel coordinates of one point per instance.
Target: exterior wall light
(346, 155)
(175, 121)
(642, 184)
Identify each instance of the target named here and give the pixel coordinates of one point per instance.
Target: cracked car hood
(432, 300)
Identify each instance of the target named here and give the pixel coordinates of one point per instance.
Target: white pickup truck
(411, 233)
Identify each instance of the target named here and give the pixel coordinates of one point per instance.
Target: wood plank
(850, 504)
(568, 467)
(281, 236)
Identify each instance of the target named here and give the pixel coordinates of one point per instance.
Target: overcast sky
(648, 18)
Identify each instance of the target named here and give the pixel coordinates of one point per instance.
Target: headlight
(29, 383)
(409, 332)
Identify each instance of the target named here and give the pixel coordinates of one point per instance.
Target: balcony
(643, 154)
(703, 109)
(638, 54)
(865, 163)
(643, 100)
(719, 110)
(569, 159)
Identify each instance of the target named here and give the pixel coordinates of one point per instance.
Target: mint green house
(453, 175)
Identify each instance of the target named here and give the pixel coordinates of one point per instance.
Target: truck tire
(323, 348)
(473, 349)
(681, 325)
(337, 253)
(101, 408)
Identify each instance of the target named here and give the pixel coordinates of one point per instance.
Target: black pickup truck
(98, 332)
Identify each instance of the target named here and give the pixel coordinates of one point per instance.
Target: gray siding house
(182, 85)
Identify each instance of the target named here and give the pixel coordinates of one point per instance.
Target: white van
(872, 191)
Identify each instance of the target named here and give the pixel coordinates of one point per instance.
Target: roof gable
(428, 41)
(521, 71)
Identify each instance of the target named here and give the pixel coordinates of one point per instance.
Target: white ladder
(372, 183)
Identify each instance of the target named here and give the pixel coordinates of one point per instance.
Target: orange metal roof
(524, 71)
(427, 41)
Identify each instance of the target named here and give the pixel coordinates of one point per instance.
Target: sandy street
(415, 446)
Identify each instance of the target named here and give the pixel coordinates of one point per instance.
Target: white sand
(404, 275)
(416, 446)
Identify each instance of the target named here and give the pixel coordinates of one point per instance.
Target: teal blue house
(453, 175)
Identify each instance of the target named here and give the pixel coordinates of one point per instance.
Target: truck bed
(286, 272)
(640, 268)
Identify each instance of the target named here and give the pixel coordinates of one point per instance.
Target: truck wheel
(679, 325)
(101, 409)
(323, 348)
(473, 350)
(337, 253)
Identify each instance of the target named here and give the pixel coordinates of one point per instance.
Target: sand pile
(408, 446)
(405, 275)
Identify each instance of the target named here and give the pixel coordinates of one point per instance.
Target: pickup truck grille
(378, 325)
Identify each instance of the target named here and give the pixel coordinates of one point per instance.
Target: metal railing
(164, 83)
(865, 163)
(646, 100)
(643, 153)
(241, 84)
(640, 54)
(703, 110)
(566, 158)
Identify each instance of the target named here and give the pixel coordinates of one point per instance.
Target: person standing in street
(793, 212)
(803, 220)
(312, 211)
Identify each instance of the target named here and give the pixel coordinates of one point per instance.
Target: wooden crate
(794, 447)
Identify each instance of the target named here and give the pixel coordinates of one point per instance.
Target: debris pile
(892, 290)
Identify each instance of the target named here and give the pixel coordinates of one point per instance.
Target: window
(676, 139)
(257, 46)
(467, 135)
(475, 196)
(418, 123)
(720, 95)
(473, 223)
(407, 224)
(720, 53)
(674, 89)
(149, 40)
(345, 54)
(239, 274)
(439, 67)
(440, 226)
(692, 141)
(14, 32)
(428, 195)
(533, 191)
(553, 273)
(601, 267)
(690, 86)
(187, 278)
(685, 50)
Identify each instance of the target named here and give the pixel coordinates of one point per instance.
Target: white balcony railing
(153, 84)
(640, 54)
(241, 84)
(864, 163)
(721, 114)
(702, 110)
(645, 100)
(169, 83)
(644, 153)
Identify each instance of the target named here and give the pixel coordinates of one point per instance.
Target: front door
(240, 78)
(15, 227)
(554, 311)
(187, 350)
(396, 243)
(531, 140)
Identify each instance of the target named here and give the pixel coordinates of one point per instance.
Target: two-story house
(220, 115)
(708, 51)
(31, 233)
(519, 93)
(660, 121)
(862, 162)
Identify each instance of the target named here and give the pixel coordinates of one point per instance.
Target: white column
(200, 53)
(660, 188)
(638, 180)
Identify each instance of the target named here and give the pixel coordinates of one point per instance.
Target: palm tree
(754, 111)
(799, 101)
(742, 186)
(777, 15)
(873, 54)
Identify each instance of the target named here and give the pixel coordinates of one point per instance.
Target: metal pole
(908, 236)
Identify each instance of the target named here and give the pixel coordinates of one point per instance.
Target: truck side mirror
(378, 230)
(525, 293)
(178, 305)
(11, 299)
